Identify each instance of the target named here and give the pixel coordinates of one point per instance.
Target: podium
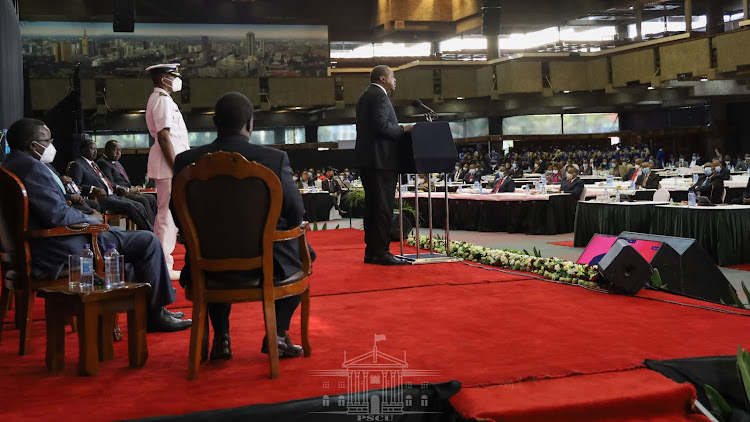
(429, 149)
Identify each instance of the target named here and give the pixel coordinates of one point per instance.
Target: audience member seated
(572, 184)
(503, 183)
(30, 141)
(634, 172)
(234, 124)
(743, 165)
(87, 174)
(745, 200)
(586, 169)
(538, 167)
(710, 184)
(553, 174)
(109, 163)
(307, 182)
(515, 171)
(623, 170)
(472, 176)
(335, 189)
(648, 179)
(722, 168)
(73, 194)
(695, 160)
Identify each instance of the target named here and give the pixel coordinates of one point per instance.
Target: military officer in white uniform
(167, 127)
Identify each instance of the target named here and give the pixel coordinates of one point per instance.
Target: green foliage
(315, 226)
(536, 253)
(354, 197)
(337, 226)
(737, 302)
(656, 280)
(720, 408)
(743, 364)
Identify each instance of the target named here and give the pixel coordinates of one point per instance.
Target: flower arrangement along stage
(552, 268)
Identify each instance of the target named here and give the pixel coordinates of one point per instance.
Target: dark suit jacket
(471, 178)
(588, 171)
(508, 185)
(517, 172)
(574, 187)
(330, 186)
(285, 254)
(714, 189)
(746, 193)
(651, 183)
(378, 132)
(47, 209)
(630, 174)
(113, 173)
(724, 172)
(85, 177)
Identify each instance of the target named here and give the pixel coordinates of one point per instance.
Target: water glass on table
(74, 270)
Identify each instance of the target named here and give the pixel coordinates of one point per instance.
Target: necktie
(122, 171)
(57, 179)
(497, 188)
(101, 176)
(644, 181)
(635, 174)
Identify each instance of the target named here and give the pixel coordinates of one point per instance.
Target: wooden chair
(236, 236)
(15, 255)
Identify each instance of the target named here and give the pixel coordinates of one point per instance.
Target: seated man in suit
(743, 165)
(73, 194)
(745, 200)
(710, 184)
(587, 169)
(634, 172)
(647, 179)
(109, 164)
(503, 182)
(234, 124)
(572, 184)
(31, 142)
(87, 174)
(722, 168)
(334, 188)
(472, 175)
(515, 170)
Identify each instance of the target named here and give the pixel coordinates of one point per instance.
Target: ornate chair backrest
(227, 208)
(15, 256)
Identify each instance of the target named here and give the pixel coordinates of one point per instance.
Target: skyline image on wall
(52, 49)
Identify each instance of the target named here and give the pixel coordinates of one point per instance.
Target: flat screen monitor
(647, 248)
(598, 246)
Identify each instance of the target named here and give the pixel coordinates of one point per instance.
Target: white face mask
(177, 84)
(472, 171)
(295, 178)
(554, 171)
(49, 153)
(569, 176)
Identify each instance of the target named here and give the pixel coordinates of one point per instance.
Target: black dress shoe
(162, 321)
(386, 259)
(287, 349)
(222, 347)
(178, 314)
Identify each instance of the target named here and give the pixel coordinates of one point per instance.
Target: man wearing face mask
(647, 179)
(710, 184)
(743, 165)
(572, 184)
(167, 127)
(503, 182)
(471, 176)
(29, 141)
(515, 170)
(587, 169)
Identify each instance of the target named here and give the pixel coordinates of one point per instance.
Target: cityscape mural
(52, 49)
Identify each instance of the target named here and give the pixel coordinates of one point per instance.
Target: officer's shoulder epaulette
(164, 94)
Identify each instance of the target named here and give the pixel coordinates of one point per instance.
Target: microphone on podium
(430, 114)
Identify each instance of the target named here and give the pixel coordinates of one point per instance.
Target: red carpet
(743, 267)
(498, 339)
(568, 243)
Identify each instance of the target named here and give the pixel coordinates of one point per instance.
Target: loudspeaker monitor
(625, 268)
(686, 268)
(123, 16)
(491, 17)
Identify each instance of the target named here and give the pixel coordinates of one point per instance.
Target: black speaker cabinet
(123, 16)
(686, 268)
(625, 269)
(491, 17)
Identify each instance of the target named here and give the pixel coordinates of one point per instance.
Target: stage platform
(523, 349)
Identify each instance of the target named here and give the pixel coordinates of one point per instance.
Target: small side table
(95, 307)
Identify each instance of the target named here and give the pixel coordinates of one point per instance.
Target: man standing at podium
(377, 156)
